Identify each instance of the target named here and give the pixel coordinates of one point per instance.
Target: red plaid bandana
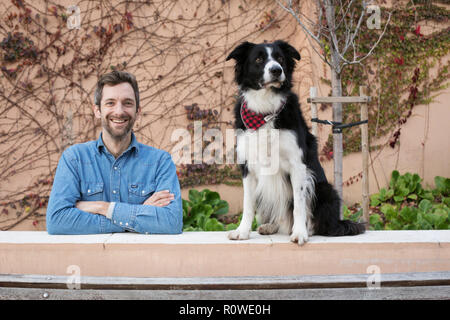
(253, 120)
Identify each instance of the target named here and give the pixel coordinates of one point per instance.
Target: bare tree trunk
(335, 50)
(338, 152)
(336, 87)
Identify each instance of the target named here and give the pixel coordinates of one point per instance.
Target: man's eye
(259, 60)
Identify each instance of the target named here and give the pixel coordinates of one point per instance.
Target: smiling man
(115, 184)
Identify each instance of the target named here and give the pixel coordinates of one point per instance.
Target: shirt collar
(133, 145)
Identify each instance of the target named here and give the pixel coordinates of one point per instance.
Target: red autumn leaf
(417, 31)
(400, 61)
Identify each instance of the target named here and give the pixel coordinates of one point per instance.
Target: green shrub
(201, 211)
(406, 205)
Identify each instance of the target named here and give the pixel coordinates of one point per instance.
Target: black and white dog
(296, 197)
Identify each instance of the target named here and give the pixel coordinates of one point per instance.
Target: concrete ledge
(211, 254)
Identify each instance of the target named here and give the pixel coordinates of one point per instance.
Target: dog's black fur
(248, 70)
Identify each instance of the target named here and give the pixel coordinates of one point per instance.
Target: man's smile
(118, 122)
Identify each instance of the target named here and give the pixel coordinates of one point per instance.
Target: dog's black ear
(290, 50)
(240, 52)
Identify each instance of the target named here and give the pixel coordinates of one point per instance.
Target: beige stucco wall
(424, 142)
(212, 254)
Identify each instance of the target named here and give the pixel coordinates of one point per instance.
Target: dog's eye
(259, 60)
(280, 59)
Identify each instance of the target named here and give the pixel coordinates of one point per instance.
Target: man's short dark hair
(112, 79)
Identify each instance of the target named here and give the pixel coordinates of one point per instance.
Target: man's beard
(117, 135)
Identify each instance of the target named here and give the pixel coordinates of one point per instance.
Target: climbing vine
(398, 73)
(48, 72)
(177, 51)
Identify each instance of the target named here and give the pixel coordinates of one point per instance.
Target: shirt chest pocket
(92, 191)
(139, 192)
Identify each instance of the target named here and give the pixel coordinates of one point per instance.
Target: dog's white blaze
(269, 64)
(276, 190)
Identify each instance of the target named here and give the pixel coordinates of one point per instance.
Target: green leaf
(421, 223)
(208, 210)
(214, 225)
(425, 205)
(446, 201)
(394, 177)
(231, 226)
(409, 214)
(254, 224)
(404, 191)
(195, 196)
(210, 196)
(375, 200)
(376, 222)
(389, 211)
(346, 212)
(442, 184)
(399, 198)
(427, 195)
(221, 208)
(390, 194)
(357, 215)
(383, 193)
(412, 196)
(186, 206)
(199, 213)
(190, 228)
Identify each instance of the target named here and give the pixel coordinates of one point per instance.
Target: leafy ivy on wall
(398, 73)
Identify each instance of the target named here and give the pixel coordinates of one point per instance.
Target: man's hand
(96, 207)
(160, 198)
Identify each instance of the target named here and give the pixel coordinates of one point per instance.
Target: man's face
(117, 110)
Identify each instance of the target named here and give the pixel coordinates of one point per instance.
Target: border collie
(296, 197)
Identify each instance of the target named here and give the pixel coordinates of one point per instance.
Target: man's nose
(119, 107)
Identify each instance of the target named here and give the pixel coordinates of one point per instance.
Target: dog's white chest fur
(268, 151)
(271, 155)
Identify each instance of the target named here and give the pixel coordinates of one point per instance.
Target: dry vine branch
(176, 49)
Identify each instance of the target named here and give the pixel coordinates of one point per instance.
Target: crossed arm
(160, 213)
(158, 199)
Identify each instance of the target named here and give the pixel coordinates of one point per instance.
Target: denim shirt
(89, 172)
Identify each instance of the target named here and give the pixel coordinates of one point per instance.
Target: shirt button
(126, 223)
(89, 190)
(114, 191)
(120, 223)
(143, 191)
(115, 168)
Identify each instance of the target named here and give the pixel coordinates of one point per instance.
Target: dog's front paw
(239, 234)
(300, 237)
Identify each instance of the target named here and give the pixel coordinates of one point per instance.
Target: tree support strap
(338, 126)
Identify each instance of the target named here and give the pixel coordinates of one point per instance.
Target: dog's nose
(275, 71)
